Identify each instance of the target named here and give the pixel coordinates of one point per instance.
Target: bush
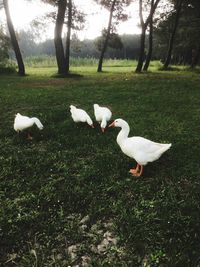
(7, 70)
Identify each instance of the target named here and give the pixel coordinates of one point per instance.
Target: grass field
(67, 198)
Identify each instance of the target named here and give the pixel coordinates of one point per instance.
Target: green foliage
(187, 40)
(78, 17)
(119, 4)
(114, 41)
(69, 170)
(127, 46)
(6, 66)
(4, 47)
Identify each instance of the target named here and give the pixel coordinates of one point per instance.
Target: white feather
(102, 115)
(23, 122)
(80, 115)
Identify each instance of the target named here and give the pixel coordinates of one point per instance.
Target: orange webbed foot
(133, 171)
(137, 171)
(29, 137)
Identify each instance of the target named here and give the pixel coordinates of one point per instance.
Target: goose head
(72, 107)
(96, 106)
(118, 123)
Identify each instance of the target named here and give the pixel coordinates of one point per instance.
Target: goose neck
(123, 134)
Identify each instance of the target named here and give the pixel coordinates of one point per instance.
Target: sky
(23, 13)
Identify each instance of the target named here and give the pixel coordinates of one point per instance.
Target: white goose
(102, 115)
(80, 115)
(22, 123)
(139, 148)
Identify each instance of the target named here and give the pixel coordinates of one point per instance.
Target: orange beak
(103, 130)
(92, 126)
(112, 124)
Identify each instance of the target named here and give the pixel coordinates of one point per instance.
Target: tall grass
(40, 61)
(46, 61)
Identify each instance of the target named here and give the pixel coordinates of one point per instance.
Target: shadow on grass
(118, 66)
(169, 69)
(185, 69)
(194, 69)
(69, 75)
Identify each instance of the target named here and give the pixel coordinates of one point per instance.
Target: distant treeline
(83, 49)
(88, 48)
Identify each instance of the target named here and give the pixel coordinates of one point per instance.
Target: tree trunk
(144, 27)
(69, 25)
(60, 55)
(21, 68)
(99, 69)
(142, 48)
(149, 55)
(172, 38)
(196, 58)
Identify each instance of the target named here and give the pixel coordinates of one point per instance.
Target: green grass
(70, 171)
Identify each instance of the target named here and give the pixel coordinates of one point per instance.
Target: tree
(144, 24)
(194, 13)
(196, 57)
(150, 50)
(177, 9)
(115, 8)
(69, 26)
(105, 43)
(75, 21)
(67, 14)
(21, 68)
(60, 55)
(59, 22)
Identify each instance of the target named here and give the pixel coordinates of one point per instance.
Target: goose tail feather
(38, 123)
